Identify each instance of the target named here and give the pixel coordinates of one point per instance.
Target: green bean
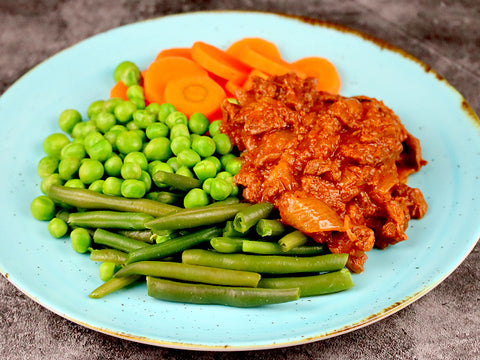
(247, 218)
(269, 227)
(113, 285)
(165, 197)
(108, 255)
(117, 241)
(229, 230)
(261, 247)
(271, 264)
(293, 239)
(173, 246)
(312, 285)
(176, 181)
(194, 217)
(191, 273)
(227, 245)
(88, 199)
(141, 235)
(222, 295)
(110, 220)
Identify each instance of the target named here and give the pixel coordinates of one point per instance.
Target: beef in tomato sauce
(335, 167)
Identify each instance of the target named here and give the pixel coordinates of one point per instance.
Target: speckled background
(444, 324)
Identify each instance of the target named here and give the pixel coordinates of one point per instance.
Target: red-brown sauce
(335, 167)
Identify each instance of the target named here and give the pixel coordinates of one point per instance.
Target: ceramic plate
(52, 274)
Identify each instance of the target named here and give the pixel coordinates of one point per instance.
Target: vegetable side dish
(335, 167)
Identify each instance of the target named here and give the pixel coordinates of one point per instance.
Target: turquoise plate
(50, 272)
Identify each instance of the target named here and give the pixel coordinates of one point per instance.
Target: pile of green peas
(121, 145)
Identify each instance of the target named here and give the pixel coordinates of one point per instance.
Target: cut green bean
(292, 240)
(270, 227)
(227, 245)
(195, 217)
(191, 273)
(176, 181)
(165, 197)
(229, 230)
(88, 199)
(222, 295)
(261, 247)
(248, 218)
(108, 255)
(173, 246)
(312, 285)
(113, 285)
(141, 235)
(110, 220)
(268, 264)
(117, 241)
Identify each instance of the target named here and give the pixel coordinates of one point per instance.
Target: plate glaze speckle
(52, 274)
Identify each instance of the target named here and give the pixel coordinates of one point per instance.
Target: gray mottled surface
(444, 324)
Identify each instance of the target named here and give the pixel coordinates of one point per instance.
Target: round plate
(51, 273)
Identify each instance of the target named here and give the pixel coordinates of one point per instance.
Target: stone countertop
(444, 324)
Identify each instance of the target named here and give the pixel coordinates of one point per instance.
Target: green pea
(216, 161)
(185, 171)
(160, 166)
(137, 157)
(164, 110)
(158, 149)
(139, 102)
(68, 119)
(207, 185)
(42, 208)
(68, 167)
(54, 143)
(179, 130)
(188, 158)
(110, 104)
(173, 163)
(124, 111)
(47, 166)
(131, 125)
(135, 91)
(214, 128)
(198, 123)
(154, 108)
(132, 188)
(75, 183)
(97, 186)
(147, 179)
(113, 165)
(141, 135)
(222, 144)
(53, 179)
(128, 141)
(234, 165)
(225, 175)
(235, 190)
(176, 117)
(100, 151)
(131, 170)
(128, 73)
(106, 270)
(73, 150)
(95, 107)
(91, 139)
(104, 121)
(195, 198)
(156, 130)
(204, 146)
(179, 144)
(224, 159)
(205, 169)
(57, 228)
(81, 240)
(220, 189)
(112, 186)
(143, 118)
(90, 170)
(82, 129)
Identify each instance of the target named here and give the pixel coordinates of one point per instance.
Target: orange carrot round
(194, 94)
(119, 90)
(322, 69)
(219, 62)
(263, 46)
(182, 52)
(160, 72)
(256, 60)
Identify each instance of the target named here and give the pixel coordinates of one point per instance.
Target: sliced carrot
(264, 63)
(263, 46)
(232, 87)
(219, 62)
(160, 72)
(119, 90)
(182, 52)
(255, 72)
(194, 94)
(323, 70)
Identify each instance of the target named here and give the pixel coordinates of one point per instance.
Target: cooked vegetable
(248, 218)
(112, 285)
(323, 70)
(292, 240)
(117, 241)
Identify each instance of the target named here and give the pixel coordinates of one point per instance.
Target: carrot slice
(264, 63)
(182, 52)
(160, 72)
(323, 70)
(255, 72)
(263, 46)
(232, 87)
(219, 62)
(119, 90)
(194, 94)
